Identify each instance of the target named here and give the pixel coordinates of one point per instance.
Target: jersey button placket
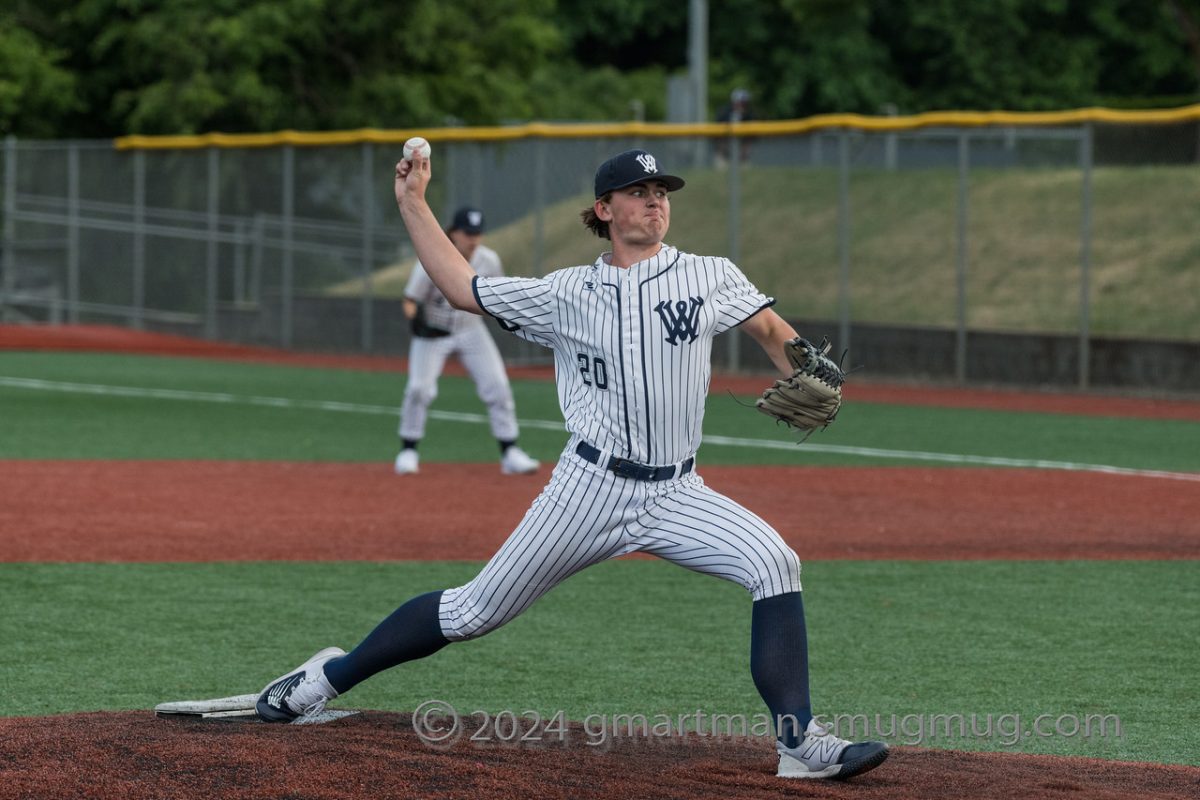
(632, 336)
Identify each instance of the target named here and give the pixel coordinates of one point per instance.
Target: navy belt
(632, 469)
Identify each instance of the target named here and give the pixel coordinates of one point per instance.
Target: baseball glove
(811, 397)
(421, 327)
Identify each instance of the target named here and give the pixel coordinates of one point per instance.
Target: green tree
(802, 57)
(92, 68)
(814, 56)
(36, 92)
(1007, 54)
(180, 66)
(1186, 15)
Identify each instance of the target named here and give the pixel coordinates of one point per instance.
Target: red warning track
(221, 511)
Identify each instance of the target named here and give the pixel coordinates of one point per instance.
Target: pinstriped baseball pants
(479, 354)
(586, 515)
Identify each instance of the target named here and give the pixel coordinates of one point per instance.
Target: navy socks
(411, 632)
(779, 663)
(778, 654)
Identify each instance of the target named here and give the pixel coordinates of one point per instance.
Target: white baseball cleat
(822, 755)
(303, 692)
(406, 462)
(516, 461)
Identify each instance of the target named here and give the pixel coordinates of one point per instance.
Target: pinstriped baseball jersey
(438, 311)
(632, 346)
(470, 341)
(632, 362)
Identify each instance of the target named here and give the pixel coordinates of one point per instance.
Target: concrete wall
(1022, 359)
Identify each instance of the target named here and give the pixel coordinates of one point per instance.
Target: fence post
(476, 195)
(56, 304)
(288, 261)
(73, 233)
(368, 246)
(960, 344)
(735, 215)
(843, 240)
(1085, 258)
(210, 262)
(891, 140)
(239, 260)
(539, 206)
(139, 239)
(8, 261)
(448, 162)
(258, 246)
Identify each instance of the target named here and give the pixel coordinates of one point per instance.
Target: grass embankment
(1023, 257)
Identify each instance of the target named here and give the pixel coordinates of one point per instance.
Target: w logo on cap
(630, 167)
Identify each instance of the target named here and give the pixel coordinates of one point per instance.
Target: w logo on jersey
(681, 318)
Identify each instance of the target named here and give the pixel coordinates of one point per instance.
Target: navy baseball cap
(630, 167)
(468, 220)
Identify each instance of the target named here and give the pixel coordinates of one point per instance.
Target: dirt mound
(133, 755)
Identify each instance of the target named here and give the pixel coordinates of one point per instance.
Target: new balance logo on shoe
(281, 690)
(824, 749)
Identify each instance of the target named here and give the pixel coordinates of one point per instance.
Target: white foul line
(38, 384)
(953, 458)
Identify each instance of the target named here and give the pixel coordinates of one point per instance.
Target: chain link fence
(1077, 225)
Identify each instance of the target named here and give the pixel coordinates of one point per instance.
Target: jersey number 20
(594, 367)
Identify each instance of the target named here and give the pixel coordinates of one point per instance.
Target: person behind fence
(738, 109)
(440, 331)
(632, 338)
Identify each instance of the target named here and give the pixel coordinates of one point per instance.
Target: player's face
(639, 214)
(466, 242)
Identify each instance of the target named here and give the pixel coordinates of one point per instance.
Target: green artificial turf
(892, 643)
(128, 407)
(895, 640)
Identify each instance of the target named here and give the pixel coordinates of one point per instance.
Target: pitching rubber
(237, 708)
(237, 705)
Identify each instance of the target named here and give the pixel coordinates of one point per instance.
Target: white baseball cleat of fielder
(516, 461)
(407, 462)
(822, 755)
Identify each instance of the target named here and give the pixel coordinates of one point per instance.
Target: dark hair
(594, 223)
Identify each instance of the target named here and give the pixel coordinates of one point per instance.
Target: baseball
(416, 146)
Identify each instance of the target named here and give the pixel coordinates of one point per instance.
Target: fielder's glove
(422, 328)
(811, 397)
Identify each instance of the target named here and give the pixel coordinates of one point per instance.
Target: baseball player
(438, 331)
(632, 336)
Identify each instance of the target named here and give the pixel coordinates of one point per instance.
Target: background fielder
(632, 337)
(439, 331)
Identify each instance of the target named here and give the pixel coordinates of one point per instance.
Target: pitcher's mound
(132, 755)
